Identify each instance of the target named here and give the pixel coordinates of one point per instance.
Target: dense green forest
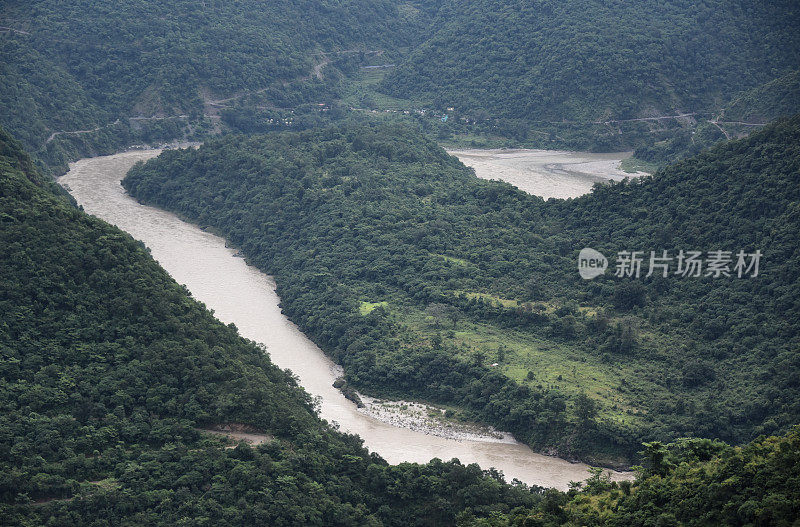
(109, 372)
(587, 61)
(119, 390)
(690, 482)
(777, 98)
(747, 111)
(81, 77)
(80, 65)
(424, 281)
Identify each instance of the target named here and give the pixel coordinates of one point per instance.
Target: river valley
(241, 294)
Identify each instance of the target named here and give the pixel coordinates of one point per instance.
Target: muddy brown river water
(243, 295)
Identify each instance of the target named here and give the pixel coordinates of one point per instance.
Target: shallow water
(546, 173)
(243, 295)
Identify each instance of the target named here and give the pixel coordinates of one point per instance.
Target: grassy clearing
(633, 165)
(455, 261)
(505, 302)
(368, 307)
(539, 307)
(361, 92)
(532, 360)
(106, 484)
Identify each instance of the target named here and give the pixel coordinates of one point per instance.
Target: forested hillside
(105, 397)
(733, 341)
(778, 98)
(687, 482)
(324, 123)
(80, 77)
(746, 112)
(584, 67)
(425, 281)
(109, 372)
(79, 66)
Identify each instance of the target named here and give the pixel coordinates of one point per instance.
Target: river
(241, 294)
(546, 173)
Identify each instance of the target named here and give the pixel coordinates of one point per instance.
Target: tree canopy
(110, 372)
(344, 217)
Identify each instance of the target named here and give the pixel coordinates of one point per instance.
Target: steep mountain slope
(424, 281)
(743, 114)
(778, 98)
(593, 61)
(108, 370)
(78, 66)
(80, 77)
(688, 482)
(734, 340)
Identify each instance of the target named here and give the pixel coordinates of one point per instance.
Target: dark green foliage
(107, 369)
(546, 74)
(359, 214)
(339, 216)
(689, 482)
(591, 60)
(774, 99)
(745, 113)
(734, 340)
(680, 144)
(80, 64)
